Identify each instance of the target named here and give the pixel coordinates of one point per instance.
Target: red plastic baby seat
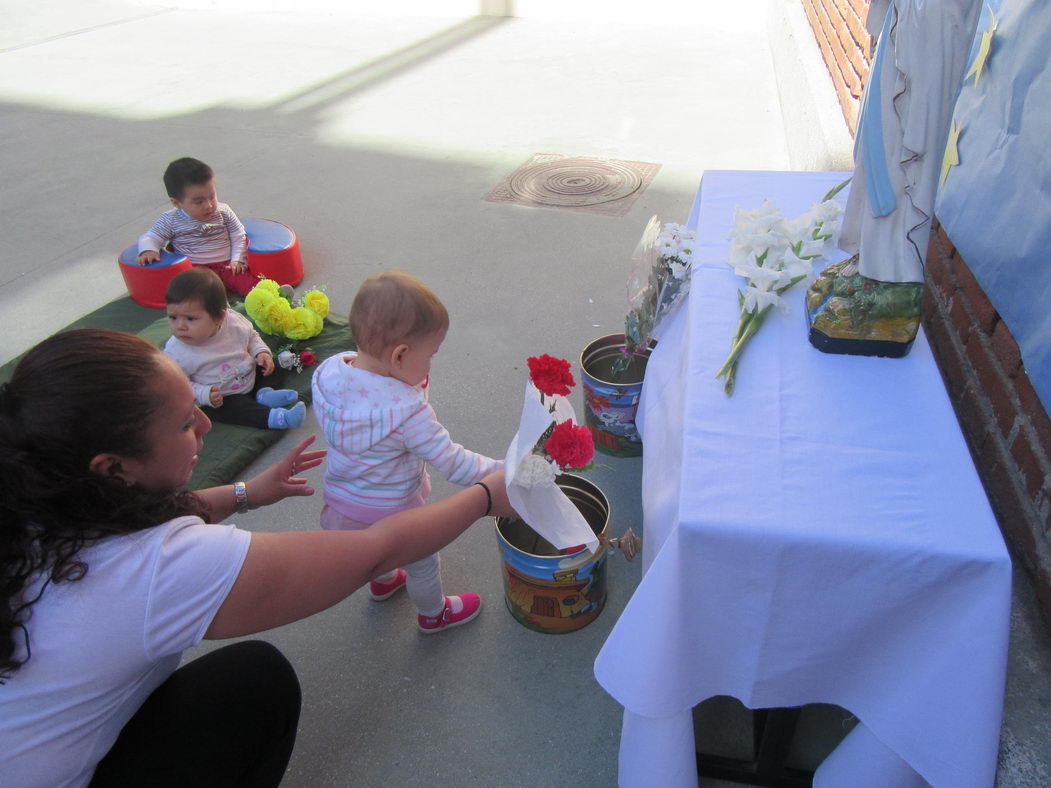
(273, 251)
(147, 283)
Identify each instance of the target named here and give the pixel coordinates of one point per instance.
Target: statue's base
(853, 315)
(854, 346)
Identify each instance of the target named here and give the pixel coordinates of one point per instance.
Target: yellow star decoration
(983, 50)
(952, 153)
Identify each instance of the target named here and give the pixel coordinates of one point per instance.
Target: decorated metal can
(551, 590)
(611, 396)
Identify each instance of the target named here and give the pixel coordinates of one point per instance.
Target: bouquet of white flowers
(773, 254)
(658, 283)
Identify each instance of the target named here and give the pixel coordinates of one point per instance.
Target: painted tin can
(550, 590)
(610, 407)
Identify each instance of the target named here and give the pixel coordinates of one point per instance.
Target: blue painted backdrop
(996, 204)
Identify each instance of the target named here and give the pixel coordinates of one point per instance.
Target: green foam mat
(228, 449)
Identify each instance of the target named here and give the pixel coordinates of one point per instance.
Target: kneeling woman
(108, 572)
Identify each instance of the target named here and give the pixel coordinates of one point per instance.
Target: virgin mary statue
(922, 50)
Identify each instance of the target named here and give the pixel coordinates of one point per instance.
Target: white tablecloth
(819, 537)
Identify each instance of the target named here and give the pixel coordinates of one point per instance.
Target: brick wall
(839, 27)
(1002, 418)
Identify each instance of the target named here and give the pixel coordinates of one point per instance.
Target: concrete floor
(375, 132)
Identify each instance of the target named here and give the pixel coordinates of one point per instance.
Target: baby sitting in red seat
(200, 227)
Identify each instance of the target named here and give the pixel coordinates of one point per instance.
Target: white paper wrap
(544, 508)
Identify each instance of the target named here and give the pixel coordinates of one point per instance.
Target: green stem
(755, 321)
(741, 321)
(728, 385)
(747, 325)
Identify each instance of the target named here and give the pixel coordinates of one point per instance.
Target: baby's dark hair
(394, 307)
(198, 284)
(185, 172)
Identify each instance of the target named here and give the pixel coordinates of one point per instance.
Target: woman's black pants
(225, 719)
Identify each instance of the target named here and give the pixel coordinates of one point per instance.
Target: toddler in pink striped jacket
(381, 432)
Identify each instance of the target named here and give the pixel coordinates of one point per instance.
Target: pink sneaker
(458, 610)
(380, 590)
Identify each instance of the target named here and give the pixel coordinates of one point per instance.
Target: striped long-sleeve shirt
(380, 433)
(218, 240)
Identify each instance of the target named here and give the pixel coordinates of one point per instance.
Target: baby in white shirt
(219, 351)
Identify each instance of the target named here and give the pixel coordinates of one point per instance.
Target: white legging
(424, 579)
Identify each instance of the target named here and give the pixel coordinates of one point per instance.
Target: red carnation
(570, 446)
(550, 375)
(307, 359)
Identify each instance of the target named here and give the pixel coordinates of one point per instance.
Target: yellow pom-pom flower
(316, 302)
(269, 285)
(278, 314)
(257, 302)
(303, 324)
(273, 313)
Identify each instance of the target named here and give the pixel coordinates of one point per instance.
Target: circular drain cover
(572, 182)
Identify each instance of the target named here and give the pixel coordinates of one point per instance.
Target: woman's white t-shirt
(101, 645)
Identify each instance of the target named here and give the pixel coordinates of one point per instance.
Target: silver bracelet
(241, 495)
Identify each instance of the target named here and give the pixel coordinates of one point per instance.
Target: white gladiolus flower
(534, 470)
(812, 248)
(764, 219)
(757, 275)
(773, 254)
(793, 266)
(756, 298)
(761, 240)
(827, 211)
(739, 256)
(799, 230)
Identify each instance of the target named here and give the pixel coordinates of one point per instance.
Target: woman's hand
(277, 482)
(280, 481)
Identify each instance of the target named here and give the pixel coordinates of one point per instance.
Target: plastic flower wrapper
(773, 254)
(658, 282)
(547, 431)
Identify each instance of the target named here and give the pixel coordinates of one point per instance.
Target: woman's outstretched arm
(277, 482)
(292, 575)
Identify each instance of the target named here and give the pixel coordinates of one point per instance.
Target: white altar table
(819, 537)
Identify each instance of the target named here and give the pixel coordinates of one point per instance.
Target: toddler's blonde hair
(394, 307)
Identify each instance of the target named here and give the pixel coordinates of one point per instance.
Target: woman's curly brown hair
(72, 397)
